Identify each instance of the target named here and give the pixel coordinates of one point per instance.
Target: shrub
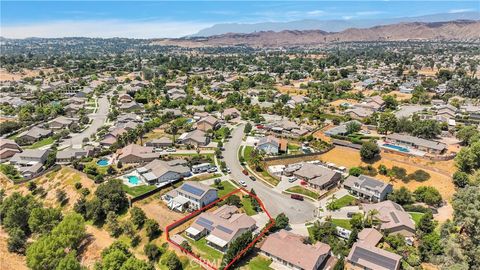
(355, 171)
(369, 150)
(78, 185)
(419, 175)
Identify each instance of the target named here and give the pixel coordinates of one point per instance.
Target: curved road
(275, 202)
(99, 118)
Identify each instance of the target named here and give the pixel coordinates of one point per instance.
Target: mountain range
(451, 31)
(328, 25)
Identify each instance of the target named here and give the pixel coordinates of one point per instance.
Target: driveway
(99, 118)
(274, 201)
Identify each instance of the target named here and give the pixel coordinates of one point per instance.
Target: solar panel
(223, 229)
(375, 258)
(191, 189)
(205, 223)
(394, 217)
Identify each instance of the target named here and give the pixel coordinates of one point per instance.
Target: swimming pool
(103, 162)
(396, 147)
(133, 179)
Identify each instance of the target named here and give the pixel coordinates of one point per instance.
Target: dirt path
(10, 261)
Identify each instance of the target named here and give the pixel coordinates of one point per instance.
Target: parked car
(245, 172)
(253, 178)
(292, 179)
(296, 197)
(171, 150)
(228, 170)
(242, 183)
(212, 169)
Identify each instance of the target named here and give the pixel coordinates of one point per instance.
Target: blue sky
(178, 18)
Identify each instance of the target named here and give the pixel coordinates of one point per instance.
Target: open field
(10, 76)
(400, 96)
(291, 90)
(440, 171)
(338, 102)
(157, 210)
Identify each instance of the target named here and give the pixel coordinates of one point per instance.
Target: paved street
(275, 202)
(98, 120)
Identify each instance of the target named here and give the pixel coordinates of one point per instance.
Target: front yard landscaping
(416, 216)
(247, 206)
(344, 223)
(224, 188)
(304, 191)
(138, 190)
(41, 143)
(346, 200)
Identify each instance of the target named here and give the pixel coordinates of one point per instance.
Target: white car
(213, 169)
(292, 179)
(171, 150)
(228, 170)
(243, 183)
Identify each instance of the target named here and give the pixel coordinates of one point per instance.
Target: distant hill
(453, 30)
(328, 25)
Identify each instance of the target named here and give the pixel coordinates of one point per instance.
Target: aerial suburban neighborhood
(225, 151)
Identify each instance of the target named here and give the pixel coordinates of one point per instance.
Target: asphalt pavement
(274, 201)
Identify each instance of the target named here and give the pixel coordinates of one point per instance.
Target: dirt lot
(156, 209)
(338, 102)
(9, 76)
(291, 90)
(400, 96)
(440, 171)
(10, 261)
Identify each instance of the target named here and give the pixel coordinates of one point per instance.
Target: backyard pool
(103, 162)
(396, 147)
(133, 179)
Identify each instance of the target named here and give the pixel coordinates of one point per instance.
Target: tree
(386, 122)
(61, 196)
(281, 221)
(17, 241)
(133, 263)
(430, 245)
(369, 150)
(173, 263)
(186, 246)
(69, 262)
(468, 158)
(460, 179)
(137, 216)
(428, 195)
(234, 200)
(466, 133)
(355, 171)
(43, 220)
(248, 128)
(113, 225)
(15, 211)
(352, 127)
(390, 102)
(401, 196)
(152, 228)
(152, 251)
(236, 246)
(426, 224)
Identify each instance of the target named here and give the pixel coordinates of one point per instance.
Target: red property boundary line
(195, 213)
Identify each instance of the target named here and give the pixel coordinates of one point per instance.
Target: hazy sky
(146, 19)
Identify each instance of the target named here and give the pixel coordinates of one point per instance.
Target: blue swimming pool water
(132, 179)
(396, 147)
(103, 162)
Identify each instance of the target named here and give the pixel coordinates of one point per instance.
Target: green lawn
(270, 179)
(344, 223)
(304, 191)
(227, 188)
(138, 190)
(43, 142)
(206, 252)
(259, 263)
(416, 216)
(346, 200)
(246, 154)
(247, 205)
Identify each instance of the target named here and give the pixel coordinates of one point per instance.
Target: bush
(399, 173)
(152, 251)
(460, 179)
(428, 195)
(355, 171)
(152, 229)
(369, 150)
(137, 216)
(78, 185)
(419, 175)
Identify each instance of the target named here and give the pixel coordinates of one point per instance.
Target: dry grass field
(291, 90)
(440, 171)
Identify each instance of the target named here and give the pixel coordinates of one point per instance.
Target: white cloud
(368, 13)
(460, 10)
(347, 17)
(103, 28)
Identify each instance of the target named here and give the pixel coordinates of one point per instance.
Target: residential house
(111, 137)
(195, 138)
(317, 176)
(429, 146)
(221, 226)
(160, 142)
(231, 113)
(125, 98)
(66, 156)
(341, 129)
(72, 109)
(8, 148)
(61, 122)
(393, 218)
(32, 135)
(30, 157)
(272, 145)
(190, 195)
(365, 255)
(368, 188)
(158, 171)
(130, 106)
(291, 251)
(134, 153)
(207, 123)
